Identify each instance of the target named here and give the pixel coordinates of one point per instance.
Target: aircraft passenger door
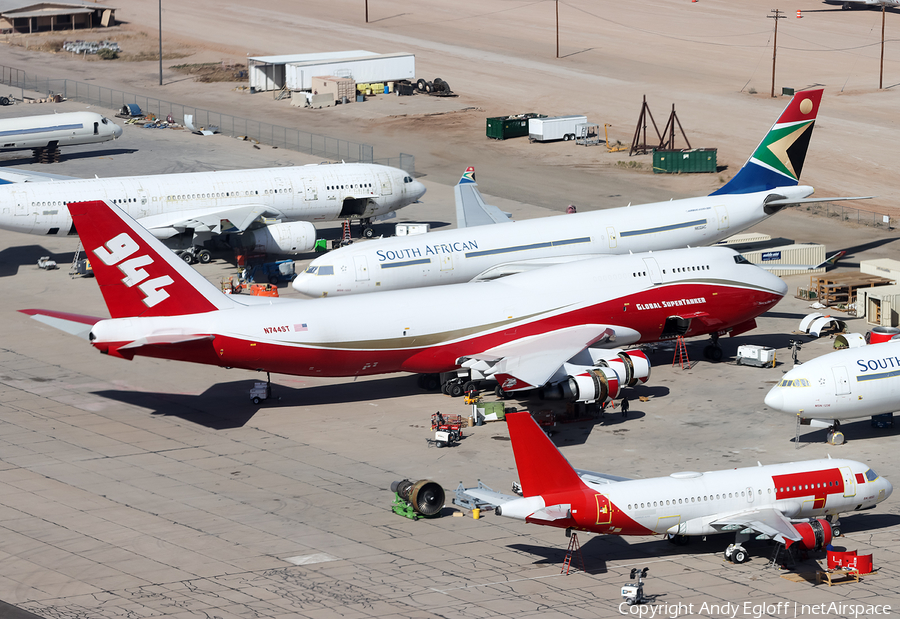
(841, 380)
(604, 510)
(722, 215)
(384, 180)
(96, 128)
(144, 201)
(653, 270)
(362, 268)
(21, 199)
(613, 237)
(749, 494)
(849, 481)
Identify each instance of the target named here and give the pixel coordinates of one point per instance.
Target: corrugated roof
(353, 58)
(318, 56)
(49, 12)
(7, 6)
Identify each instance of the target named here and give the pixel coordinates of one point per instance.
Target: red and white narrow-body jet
(794, 503)
(554, 326)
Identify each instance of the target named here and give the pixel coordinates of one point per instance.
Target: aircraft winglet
(468, 177)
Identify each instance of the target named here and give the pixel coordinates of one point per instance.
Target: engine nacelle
(814, 535)
(593, 385)
(295, 237)
(631, 366)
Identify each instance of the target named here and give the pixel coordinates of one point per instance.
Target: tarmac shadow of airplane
(12, 258)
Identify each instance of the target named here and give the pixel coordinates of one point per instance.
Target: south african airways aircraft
(765, 184)
(845, 384)
(516, 333)
(797, 503)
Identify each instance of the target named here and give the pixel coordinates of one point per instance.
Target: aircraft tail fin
(778, 160)
(542, 468)
(137, 274)
(471, 209)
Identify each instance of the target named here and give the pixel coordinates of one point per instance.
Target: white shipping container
(882, 267)
(411, 229)
(555, 128)
(363, 70)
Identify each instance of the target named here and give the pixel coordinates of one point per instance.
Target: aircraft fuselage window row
(195, 196)
(357, 186)
(704, 267)
(870, 475)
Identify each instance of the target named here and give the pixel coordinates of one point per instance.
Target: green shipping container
(505, 127)
(684, 161)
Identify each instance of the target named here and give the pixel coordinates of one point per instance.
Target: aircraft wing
(532, 361)
(767, 520)
(470, 207)
(218, 220)
(8, 176)
(829, 261)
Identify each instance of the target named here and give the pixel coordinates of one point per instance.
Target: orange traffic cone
(799, 16)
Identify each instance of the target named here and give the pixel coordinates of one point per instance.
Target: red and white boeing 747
(794, 503)
(554, 326)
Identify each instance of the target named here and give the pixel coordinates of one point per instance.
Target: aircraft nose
(888, 487)
(417, 189)
(117, 131)
(775, 399)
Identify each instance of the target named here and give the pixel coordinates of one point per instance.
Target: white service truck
(554, 128)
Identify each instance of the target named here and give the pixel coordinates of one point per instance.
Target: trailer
(554, 128)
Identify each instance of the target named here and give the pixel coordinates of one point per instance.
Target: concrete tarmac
(156, 489)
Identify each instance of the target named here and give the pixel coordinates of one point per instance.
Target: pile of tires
(436, 85)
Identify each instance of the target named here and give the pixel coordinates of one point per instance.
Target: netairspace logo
(754, 610)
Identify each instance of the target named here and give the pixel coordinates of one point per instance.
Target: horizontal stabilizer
(73, 324)
(8, 176)
(166, 340)
(553, 512)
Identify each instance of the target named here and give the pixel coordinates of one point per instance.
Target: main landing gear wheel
(713, 353)
(500, 393)
(204, 256)
(455, 390)
(368, 232)
(678, 540)
(739, 555)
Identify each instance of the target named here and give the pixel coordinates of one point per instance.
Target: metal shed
(795, 256)
(30, 16)
(267, 72)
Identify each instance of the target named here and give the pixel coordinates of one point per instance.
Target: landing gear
(429, 382)
(367, 230)
(713, 351)
(501, 393)
(678, 540)
(195, 254)
(835, 522)
(835, 436)
(736, 554)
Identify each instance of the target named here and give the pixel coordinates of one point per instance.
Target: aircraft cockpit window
(871, 475)
(104, 121)
(794, 382)
(326, 270)
(741, 260)
(311, 270)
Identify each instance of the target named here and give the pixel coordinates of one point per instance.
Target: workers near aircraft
(624, 406)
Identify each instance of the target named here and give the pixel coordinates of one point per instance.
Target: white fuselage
(845, 384)
(302, 193)
(70, 129)
(465, 254)
(427, 331)
(692, 503)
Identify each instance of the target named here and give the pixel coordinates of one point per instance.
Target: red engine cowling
(592, 385)
(814, 535)
(631, 366)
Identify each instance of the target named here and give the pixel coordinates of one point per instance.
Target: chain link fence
(846, 213)
(234, 126)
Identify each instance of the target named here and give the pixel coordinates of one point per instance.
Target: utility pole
(557, 29)
(160, 42)
(367, 11)
(881, 65)
(777, 15)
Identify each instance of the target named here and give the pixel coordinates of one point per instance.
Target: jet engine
(592, 385)
(294, 237)
(613, 369)
(631, 366)
(424, 496)
(814, 535)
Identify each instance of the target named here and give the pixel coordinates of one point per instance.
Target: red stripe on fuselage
(816, 483)
(736, 304)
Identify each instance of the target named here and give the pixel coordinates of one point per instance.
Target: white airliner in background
(797, 503)
(509, 330)
(764, 185)
(850, 4)
(273, 207)
(48, 132)
(845, 384)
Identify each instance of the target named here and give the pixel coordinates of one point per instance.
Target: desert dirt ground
(706, 58)
(151, 489)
